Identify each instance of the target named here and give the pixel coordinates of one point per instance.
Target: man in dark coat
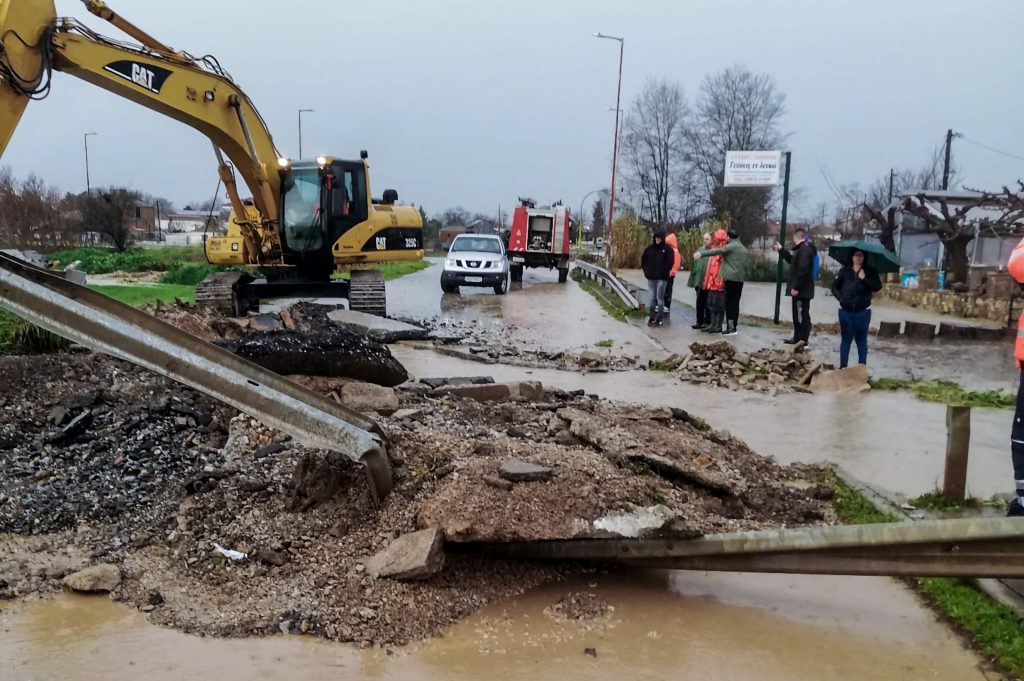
(800, 283)
(656, 262)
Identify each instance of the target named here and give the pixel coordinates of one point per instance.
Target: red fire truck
(539, 238)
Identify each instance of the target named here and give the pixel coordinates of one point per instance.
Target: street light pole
(85, 139)
(302, 111)
(615, 146)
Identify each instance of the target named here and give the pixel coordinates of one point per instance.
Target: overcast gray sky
(474, 103)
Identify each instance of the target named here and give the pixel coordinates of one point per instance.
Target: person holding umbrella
(853, 287)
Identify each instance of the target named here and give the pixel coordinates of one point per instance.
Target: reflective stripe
(1017, 442)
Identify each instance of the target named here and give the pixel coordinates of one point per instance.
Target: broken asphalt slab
(414, 556)
(380, 329)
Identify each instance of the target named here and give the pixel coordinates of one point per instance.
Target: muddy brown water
(677, 625)
(889, 439)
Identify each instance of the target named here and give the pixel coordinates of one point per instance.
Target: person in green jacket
(734, 267)
(696, 282)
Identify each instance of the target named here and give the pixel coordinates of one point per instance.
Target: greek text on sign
(752, 168)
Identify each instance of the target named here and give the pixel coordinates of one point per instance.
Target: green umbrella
(876, 256)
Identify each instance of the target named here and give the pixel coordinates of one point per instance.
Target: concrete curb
(1003, 591)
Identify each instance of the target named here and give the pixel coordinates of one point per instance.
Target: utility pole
(302, 111)
(782, 236)
(892, 173)
(88, 186)
(615, 146)
(945, 166)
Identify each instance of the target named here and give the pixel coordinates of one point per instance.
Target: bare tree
(32, 215)
(653, 143)
(456, 216)
(109, 214)
(736, 110)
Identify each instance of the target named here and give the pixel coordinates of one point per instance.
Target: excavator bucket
(24, 68)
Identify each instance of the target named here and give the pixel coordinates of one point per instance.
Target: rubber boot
(716, 322)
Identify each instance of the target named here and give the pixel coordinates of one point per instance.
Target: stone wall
(948, 302)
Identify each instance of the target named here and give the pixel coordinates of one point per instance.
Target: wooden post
(958, 444)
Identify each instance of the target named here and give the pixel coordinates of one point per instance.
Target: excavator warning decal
(145, 75)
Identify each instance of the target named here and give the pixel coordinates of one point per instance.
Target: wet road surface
(664, 625)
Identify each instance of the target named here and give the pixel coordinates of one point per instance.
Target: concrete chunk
(368, 397)
(517, 470)
(95, 578)
(495, 392)
(419, 555)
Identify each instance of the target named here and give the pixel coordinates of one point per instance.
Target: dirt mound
(305, 521)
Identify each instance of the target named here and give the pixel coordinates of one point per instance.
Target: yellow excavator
(306, 218)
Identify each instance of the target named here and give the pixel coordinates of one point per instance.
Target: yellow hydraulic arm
(197, 92)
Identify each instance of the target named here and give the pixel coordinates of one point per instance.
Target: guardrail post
(958, 444)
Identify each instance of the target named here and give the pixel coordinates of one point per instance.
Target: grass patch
(141, 294)
(608, 301)
(606, 343)
(937, 501)
(188, 273)
(393, 270)
(993, 629)
(948, 392)
(19, 337)
(852, 507)
(96, 260)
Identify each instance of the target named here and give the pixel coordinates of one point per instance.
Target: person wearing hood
(734, 273)
(715, 285)
(696, 282)
(656, 262)
(673, 243)
(1016, 269)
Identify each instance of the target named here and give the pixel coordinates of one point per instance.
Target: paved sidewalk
(759, 301)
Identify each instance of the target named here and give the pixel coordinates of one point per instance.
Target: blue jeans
(657, 301)
(853, 326)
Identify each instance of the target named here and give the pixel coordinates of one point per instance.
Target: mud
(687, 626)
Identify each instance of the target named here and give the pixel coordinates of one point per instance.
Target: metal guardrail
(610, 281)
(962, 547)
(106, 325)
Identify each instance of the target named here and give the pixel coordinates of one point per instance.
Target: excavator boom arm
(173, 84)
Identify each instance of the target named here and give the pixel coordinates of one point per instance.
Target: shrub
(188, 273)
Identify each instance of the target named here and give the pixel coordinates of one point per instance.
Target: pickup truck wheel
(448, 288)
(502, 288)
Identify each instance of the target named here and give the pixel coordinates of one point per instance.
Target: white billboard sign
(752, 168)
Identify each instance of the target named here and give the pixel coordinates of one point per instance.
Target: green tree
(598, 219)
(110, 214)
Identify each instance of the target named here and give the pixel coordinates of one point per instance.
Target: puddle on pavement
(889, 439)
(677, 625)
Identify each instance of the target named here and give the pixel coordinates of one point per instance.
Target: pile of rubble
(720, 364)
(215, 524)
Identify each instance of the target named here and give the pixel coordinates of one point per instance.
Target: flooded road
(891, 440)
(662, 625)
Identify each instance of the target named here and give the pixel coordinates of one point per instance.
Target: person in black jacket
(800, 283)
(853, 288)
(656, 262)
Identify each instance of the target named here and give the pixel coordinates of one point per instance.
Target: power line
(992, 149)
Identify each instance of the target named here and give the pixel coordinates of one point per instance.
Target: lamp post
(302, 111)
(615, 146)
(579, 234)
(85, 139)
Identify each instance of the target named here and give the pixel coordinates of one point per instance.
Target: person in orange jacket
(673, 242)
(1016, 270)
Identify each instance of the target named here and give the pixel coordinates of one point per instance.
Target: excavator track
(220, 291)
(366, 293)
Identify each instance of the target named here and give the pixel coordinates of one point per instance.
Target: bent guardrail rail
(106, 325)
(609, 280)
